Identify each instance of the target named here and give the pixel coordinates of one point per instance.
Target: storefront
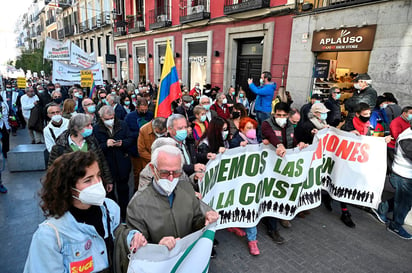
(370, 37)
(340, 54)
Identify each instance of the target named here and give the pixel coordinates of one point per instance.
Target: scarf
(249, 140)
(361, 127)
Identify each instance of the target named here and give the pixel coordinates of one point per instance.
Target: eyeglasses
(166, 174)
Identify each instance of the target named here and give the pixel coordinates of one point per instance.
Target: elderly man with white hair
(167, 209)
(206, 102)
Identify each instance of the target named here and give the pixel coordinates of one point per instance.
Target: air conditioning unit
(162, 18)
(200, 8)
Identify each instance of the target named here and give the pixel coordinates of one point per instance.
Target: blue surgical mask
(409, 117)
(113, 93)
(261, 81)
(384, 106)
(240, 95)
(203, 118)
(323, 116)
(181, 134)
(91, 109)
(126, 102)
(207, 107)
(337, 96)
(87, 132)
(316, 101)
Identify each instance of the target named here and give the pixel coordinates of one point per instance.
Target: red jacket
(222, 111)
(397, 126)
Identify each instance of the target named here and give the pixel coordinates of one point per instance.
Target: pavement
(318, 243)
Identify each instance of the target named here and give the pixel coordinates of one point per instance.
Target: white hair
(172, 118)
(162, 141)
(203, 97)
(171, 150)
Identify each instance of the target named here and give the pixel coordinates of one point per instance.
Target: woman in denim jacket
(78, 234)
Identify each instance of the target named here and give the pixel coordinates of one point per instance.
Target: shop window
(197, 63)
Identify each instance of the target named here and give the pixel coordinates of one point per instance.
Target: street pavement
(318, 243)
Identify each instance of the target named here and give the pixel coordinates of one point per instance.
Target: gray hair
(77, 123)
(162, 141)
(106, 110)
(219, 95)
(56, 92)
(172, 118)
(203, 97)
(159, 123)
(115, 98)
(171, 150)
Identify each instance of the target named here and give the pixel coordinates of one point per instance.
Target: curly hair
(61, 177)
(245, 120)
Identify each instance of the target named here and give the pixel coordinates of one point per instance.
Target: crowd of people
(96, 143)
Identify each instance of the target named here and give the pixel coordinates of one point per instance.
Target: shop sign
(197, 60)
(141, 59)
(344, 39)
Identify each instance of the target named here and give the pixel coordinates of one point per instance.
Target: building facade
(222, 44)
(373, 37)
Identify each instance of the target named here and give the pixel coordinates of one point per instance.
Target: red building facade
(221, 42)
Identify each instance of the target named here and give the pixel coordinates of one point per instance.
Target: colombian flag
(169, 88)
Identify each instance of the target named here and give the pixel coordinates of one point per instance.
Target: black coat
(117, 158)
(120, 112)
(334, 115)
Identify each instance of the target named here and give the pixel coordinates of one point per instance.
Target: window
(85, 45)
(99, 46)
(91, 45)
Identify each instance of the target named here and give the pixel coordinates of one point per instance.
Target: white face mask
(56, 118)
(167, 186)
(92, 195)
(224, 101)
(109, 122)
(281, 121)
(188, 105)
(357, 86)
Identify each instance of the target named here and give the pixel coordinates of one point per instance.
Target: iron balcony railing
(135, 23)
(332, 4)
(160, 17)
(235, 6)
(193, 13)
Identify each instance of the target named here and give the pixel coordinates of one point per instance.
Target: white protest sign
(69, 75)
(56, 50)
(191, 254)
(81, 58)
(247, 183)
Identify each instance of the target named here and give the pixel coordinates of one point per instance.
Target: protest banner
(68, 75)
(86, 78)
(191, 254)
(247, 183)
(80, 58)
(56, 50)
(21, 82)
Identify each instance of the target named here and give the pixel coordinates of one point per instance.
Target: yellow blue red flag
(169, 88)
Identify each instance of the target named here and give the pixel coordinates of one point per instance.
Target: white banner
(69, 75)
(81, 58)
(191, 254)
(247, 183)
(56, 50)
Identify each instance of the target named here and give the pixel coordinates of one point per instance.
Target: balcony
(236, 6)
(120, 28)
(65, 3)
(332, 4)
(68, 30)
(135, 24)
(84, 26)
(159, 17)
(194, 13)
(50, 21)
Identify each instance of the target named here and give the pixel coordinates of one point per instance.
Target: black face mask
(364, 119)
(236, 115)
(141, 113)
(58, 100)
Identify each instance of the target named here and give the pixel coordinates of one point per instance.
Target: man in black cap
(364, 93)
(315, 98)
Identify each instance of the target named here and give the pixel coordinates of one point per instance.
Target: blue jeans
(403, 198)
(251, 233)
(261, 117)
